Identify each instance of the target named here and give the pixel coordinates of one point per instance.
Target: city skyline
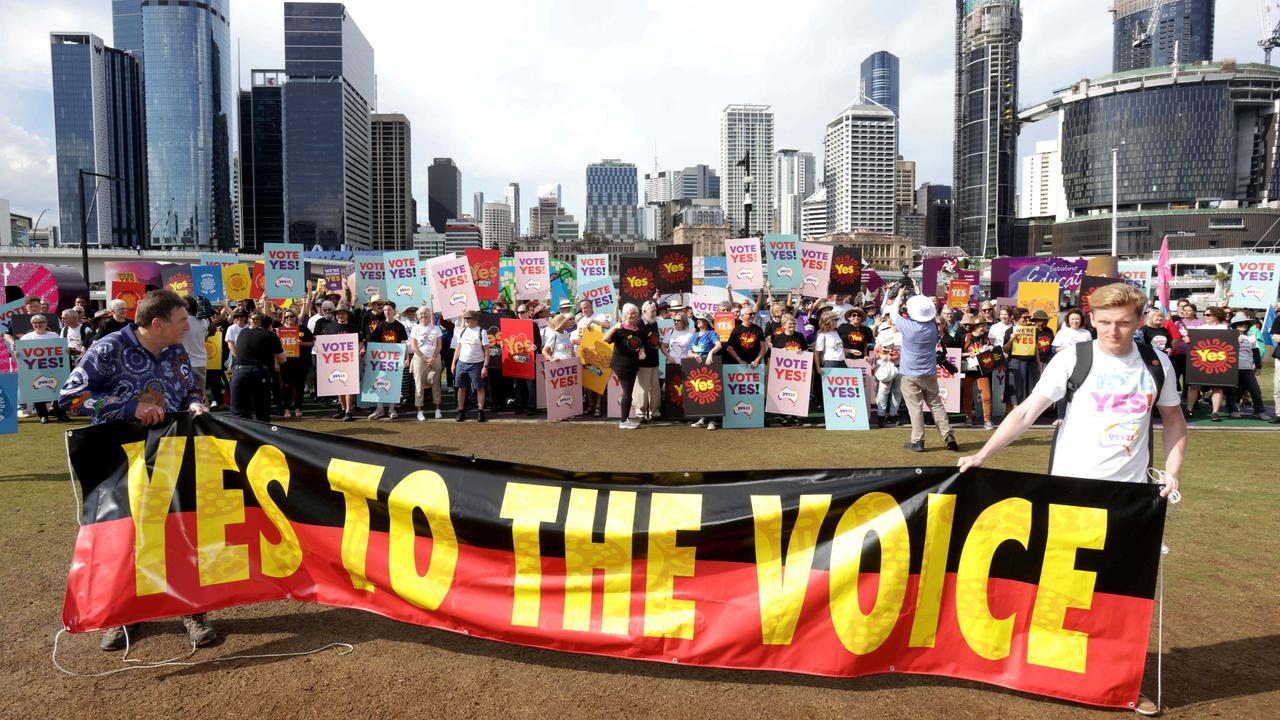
(593, 113)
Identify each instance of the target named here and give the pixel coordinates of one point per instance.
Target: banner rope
(181, 660)
(78, 508)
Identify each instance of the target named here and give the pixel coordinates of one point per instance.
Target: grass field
(1222, 619)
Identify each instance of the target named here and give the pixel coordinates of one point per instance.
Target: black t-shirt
(388, 331)
(257, 346)
(333, 327)
(1044, 345)
(652, 345)
(854, 337)
(782, 340)
(108, 326)
(1158, 338)
(626, 348)
(746, 341)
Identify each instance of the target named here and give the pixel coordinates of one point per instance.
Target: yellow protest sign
(595, 354)
(237, 282)
(1040, 296)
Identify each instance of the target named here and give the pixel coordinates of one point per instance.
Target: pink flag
(1166, 274)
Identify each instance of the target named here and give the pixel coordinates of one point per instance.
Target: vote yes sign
(403, 284)
(788, 385)
(452, 291)
(383, 373)
(1255, 281)
(844, 399)
(337, 364)
(815, 268)
(744, 266)
(43, 366)
(285, 278)
(564, 388)
(743, 397)
(533, 276)
(592, 268)
(784, 261)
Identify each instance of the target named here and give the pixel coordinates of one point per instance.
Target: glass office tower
(879, 81)
(1143, 39)
(262, 161)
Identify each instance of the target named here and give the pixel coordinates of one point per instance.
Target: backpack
(1084, 364)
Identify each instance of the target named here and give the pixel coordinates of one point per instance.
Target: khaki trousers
(924, 390)
(647, 397)
(426, 373)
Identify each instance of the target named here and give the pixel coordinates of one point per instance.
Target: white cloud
(28, 178)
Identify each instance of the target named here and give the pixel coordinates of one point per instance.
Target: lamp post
(745, 163)
(84, 217)
(1115, 199)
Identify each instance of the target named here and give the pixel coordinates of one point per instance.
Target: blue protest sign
(43, 365)
(206, 282)
(844, 399)
(8, 404)
(383, 373)
(743, 397)
(371, 276)
(285, 271)
(783, 254)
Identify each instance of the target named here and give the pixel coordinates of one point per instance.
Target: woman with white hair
(118, 321)
(40, 331)
(648, 393)
(629, 351)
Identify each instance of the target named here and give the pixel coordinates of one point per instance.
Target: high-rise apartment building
(99, 127)
(878, 83)
(1148, 32)
(612, 198)
(696, 182)
(543, 216)
(793, 181)
(657, 186)
(986, 126)
(261, 170)
(189, 95)
(934, 203)
(495, 226)
(813, 214)
(328, 102)
(746, 134)
(858, 170)
(904, 185)
(477, 204)
(444, 193)
(393, 220)
(461, 233)
(512, 197)
(1043, 194)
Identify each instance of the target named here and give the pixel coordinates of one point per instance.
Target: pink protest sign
(815, 269)
(337, 365)
(564, 388)
(452, 291)
(787, 391)
(533, 276)
(614, 399)
(948, 383)
(742, 261)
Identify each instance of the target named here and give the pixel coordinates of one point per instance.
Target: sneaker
(952, 445)
(1235, 415)
(970, 422)
(917, 446)
(711, 425)
(480, 416)
(340, 414)
(893, 422)
(376, 414)
(630, 424)
(702, 422)
(1215, 417)
(393, 415)
(1146, 707)
(1265, 417)
(113, 639)
(988, 425)
(439, 414)
(199, 632)
(422, 417)
(348, 417)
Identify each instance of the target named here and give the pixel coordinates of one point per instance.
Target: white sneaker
(422, 417)
(702, 422)
(439, 414)
(711, 425)
(393, 415)
(625, 425)
(375, 414)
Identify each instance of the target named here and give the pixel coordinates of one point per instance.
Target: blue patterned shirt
(117, 372)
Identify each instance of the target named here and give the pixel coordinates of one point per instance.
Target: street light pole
(84, 218)
(1115, 200)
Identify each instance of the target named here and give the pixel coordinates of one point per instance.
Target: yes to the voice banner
(1031, 582)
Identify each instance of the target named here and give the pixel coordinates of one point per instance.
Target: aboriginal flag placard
(1089, 284)
(1213, 357)
(703, 388)
(1027, 581)
(675, 268)
(638, 279)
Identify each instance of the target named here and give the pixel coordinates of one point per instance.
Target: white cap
(921, 308)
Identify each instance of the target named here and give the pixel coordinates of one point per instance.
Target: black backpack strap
(1151, 361)
(1084, 363)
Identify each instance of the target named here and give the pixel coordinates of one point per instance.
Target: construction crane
(1142, 35)
(1270, 29)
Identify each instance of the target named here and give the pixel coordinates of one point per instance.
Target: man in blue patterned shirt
(141, 373)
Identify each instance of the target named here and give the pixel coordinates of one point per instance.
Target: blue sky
(534, 91)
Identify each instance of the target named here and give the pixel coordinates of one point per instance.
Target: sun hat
(921, 309)
(1040, 315)
(1240, 318)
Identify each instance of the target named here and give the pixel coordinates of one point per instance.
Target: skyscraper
(393, 220)
(695, 182)
(99, 127)
(904, 185)
(879, 80)
(985, 155)
(495, 226)
(189, 91)
(1142, 39)
(858, 170)
(793, 178)
(262, 161)
(746, 133)
(934, 203)
(543, 216)
(612, 198)
(444, 193)
(1043, 193)
(813, 214)
(331, 93)
(657, 186)
(477, 204)
(513, 201)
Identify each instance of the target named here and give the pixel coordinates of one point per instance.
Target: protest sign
(1024, 341)
(592, 268)
(1138, 274)
(784, 261)
(704, 302)
(289, 341)
(974, 278)
(177, 278)
(564, 388)
(286, 271)
(213, 351)
(871, 280)
(675, 268)
(8, 364)
(8, 401)
(949, 383)
(1089, 284)
(401, 278)
(454, 545)
(383, 373)
(337, 364)
(533, 276)
(844, 399)
(703, 388)
(43, 366)
(787, 389)
(639, 278)
(485, 273)
(237, 283)
(1255, 282)
(131, 293)
(815, 264)
(8, 310)
(333, 278)
(673, 395)
(723, 324)
(1041, 296)
(710, 272)
(258, 281)
(595, 354)
(846, 271)
(743, 263)
(743, 397)
(1102, 266)
(452, 290)
(518, 348)
(1213, 358)
(601, 294)
(218, 259)
(207, 282)
(371, 276)
(958, 294)
(614, 400)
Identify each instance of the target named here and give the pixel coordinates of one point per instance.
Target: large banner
(1036, 583)
(337, 364)
(486, 266)
(844, 399)
(43, 366)
(1255, 282)
(675, 268)
(746, 272)
(788, 385)
(452, 290)
(815, 263)
(784, 261)
(286, 271)
(518, 348)
(564, 388)
(533, 275)
(743, 397)
(703, 388)
(1213, 357)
